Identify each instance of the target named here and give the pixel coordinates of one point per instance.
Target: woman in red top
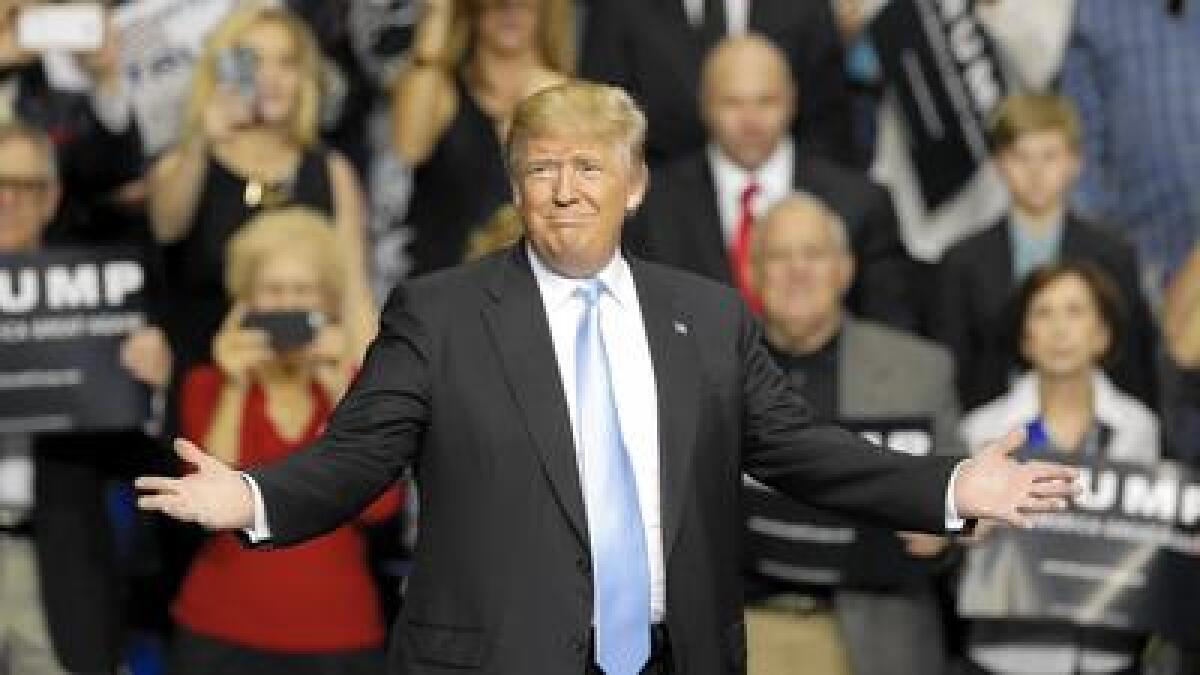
(311, 608)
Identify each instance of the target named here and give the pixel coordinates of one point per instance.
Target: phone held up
(286, 329)
(237, 68)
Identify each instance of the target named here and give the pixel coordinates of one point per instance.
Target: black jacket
(462, 382)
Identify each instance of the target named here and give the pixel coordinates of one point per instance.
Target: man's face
(28, 194)
(748, 104)
(803, 271)
(573, 194)
(1039, 168)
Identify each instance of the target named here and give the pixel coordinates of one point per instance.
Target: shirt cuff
(260, 531)
(953, 522)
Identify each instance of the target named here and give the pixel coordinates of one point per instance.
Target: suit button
(583, 564)
(578, 645)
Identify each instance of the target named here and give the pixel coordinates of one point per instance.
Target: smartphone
(71, 26)
(287, 329)
(237, 67)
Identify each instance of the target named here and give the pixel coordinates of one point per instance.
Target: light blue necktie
(619, 561)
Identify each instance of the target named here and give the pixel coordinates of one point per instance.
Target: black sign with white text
(63, 316)
(1119, 557)
(790, 542)
(943, 69)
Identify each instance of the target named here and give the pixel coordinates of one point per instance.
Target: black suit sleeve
(375, 432)
(827, 466)
(883, 288)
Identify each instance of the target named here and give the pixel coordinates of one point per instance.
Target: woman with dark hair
(1068, 316)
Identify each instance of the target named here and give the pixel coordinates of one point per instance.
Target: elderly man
(579, 422)
(846, 368)
(59, 595)
(701, 209)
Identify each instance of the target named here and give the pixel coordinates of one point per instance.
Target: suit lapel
(997, 268)
(677, 381)
(860, 375)
(521, 337)
(1073, 246)
(710, 234)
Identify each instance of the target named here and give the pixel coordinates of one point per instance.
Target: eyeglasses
(23, 187)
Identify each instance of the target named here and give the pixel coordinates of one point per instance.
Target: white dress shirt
(737, 15)
(634, 390)
(774, 179)
(16, 477)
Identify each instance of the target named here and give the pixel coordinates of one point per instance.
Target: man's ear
(849, 267)
(639, 185)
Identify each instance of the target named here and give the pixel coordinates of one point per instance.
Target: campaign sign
(1115, 558)
(63, 316)
(787, 541)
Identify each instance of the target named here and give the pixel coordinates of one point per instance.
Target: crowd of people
(1035, 266)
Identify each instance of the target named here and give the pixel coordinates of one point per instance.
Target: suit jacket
(463, 383)
(975, 312)
(885, 372)
(680, 224)
(649, 48)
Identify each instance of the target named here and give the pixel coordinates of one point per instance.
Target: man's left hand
(994, 485)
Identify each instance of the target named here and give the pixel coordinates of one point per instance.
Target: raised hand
(239, 351)
(146, 354)
(994, 485)
(214, 495)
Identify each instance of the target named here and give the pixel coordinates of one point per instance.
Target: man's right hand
(214, 495)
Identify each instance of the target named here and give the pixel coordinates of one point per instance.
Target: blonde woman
(249, 144)
(268, 393)
(471, 62)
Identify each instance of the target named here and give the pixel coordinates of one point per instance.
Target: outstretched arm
(373, 434)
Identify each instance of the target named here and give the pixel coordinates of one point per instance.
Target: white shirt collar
(557, 289)
(774, 178)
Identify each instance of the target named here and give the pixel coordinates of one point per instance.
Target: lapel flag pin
(681, 328)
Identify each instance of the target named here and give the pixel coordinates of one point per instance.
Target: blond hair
(502, 229)
(555, 32)
(294, 230)
(578, 108)
(306, 114)
(1033, 112)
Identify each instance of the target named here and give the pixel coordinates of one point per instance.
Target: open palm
(214, 495)
(994, 485)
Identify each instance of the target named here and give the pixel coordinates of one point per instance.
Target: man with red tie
(703, 205)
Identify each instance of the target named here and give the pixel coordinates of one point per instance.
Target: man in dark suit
(654, 49)
(579, 423)
(1036, 139)
(698, 207)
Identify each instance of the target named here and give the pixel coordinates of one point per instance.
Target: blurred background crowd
(984, 213)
